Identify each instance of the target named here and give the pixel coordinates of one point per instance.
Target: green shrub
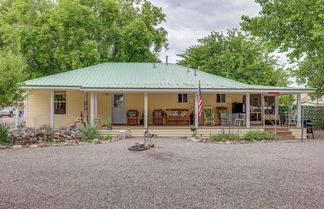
(225, 137)
(89, 132)
(258, 135)
(107, 138)
(4, 131)
(49, 132)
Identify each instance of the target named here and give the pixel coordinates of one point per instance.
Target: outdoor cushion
(175, 113)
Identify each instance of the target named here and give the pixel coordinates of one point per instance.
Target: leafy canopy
(296, 27)
(235, 56)
(11, 74)
(62, 35)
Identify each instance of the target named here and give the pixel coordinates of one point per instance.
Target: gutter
(160, 90)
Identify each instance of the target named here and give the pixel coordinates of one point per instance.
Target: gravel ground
(175, 174)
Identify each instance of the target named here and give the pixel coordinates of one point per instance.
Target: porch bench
(177, 115)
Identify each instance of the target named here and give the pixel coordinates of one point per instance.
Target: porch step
(285, 137)
(278, 129)
(282, 133)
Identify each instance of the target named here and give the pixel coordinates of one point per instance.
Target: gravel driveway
(175, 174)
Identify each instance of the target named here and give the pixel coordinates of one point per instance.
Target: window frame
(220, 98)
(181, 98)
(58, 103)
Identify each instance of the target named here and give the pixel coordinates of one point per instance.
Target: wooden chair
(209, 116)
(158, 115)
(132, 115)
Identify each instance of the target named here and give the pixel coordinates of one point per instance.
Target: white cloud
(188, 20)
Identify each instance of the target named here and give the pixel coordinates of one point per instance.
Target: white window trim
(54, 102)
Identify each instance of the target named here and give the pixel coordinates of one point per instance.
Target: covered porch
(179, 109)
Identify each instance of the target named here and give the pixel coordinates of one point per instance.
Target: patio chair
(239, 119)
(221, 110)
(132, 115)
(292, 118)
(209, 116)
(225, 119)
(158, 115)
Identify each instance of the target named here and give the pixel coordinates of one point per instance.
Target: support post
(247, 111)
(52, 109)
(16, 117)
(299, 110)
(276, 108)
(196, 111)
(145, 110)
(92, 107)
(26, 111)
(262, 110)
(96, 105)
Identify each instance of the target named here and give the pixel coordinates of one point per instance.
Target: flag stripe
(200, 102)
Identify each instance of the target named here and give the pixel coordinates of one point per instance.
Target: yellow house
(148, 94)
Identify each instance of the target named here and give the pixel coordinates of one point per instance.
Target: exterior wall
(104, 105)
(73, 109)
(38, 108)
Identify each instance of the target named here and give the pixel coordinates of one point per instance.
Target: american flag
(200, 104)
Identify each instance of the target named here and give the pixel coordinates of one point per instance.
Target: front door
(118, 109)
(255, 105)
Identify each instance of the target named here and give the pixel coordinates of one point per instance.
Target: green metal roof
(142, 76)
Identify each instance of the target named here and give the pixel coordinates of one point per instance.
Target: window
(220, 98)
(60, 102)
(118, 100)
(182, 98)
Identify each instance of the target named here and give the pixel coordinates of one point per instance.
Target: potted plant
(108, 124)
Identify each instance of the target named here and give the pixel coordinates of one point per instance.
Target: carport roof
(153, 76)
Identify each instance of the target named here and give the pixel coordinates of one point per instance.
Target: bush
(225, 137)
(89, 132)
(258, 135)
(4, 131)
(107, 138)
(49, 132)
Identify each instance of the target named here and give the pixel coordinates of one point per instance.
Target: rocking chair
(209, 116)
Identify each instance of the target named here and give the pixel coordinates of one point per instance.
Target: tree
(296, 27)
(56, 36)
(11, 74)
(235, 56)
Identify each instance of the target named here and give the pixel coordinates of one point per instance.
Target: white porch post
(299, 110)
(16, 117)
(262, 110)
(247, 111)
(92, 107)
(196, 111)
(145, 110)
(276, 108)
(95, 105)
(52, 109)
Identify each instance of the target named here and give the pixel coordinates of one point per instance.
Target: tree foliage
(62, 35)
(296, 27)
(235, 56)
(11, 74)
